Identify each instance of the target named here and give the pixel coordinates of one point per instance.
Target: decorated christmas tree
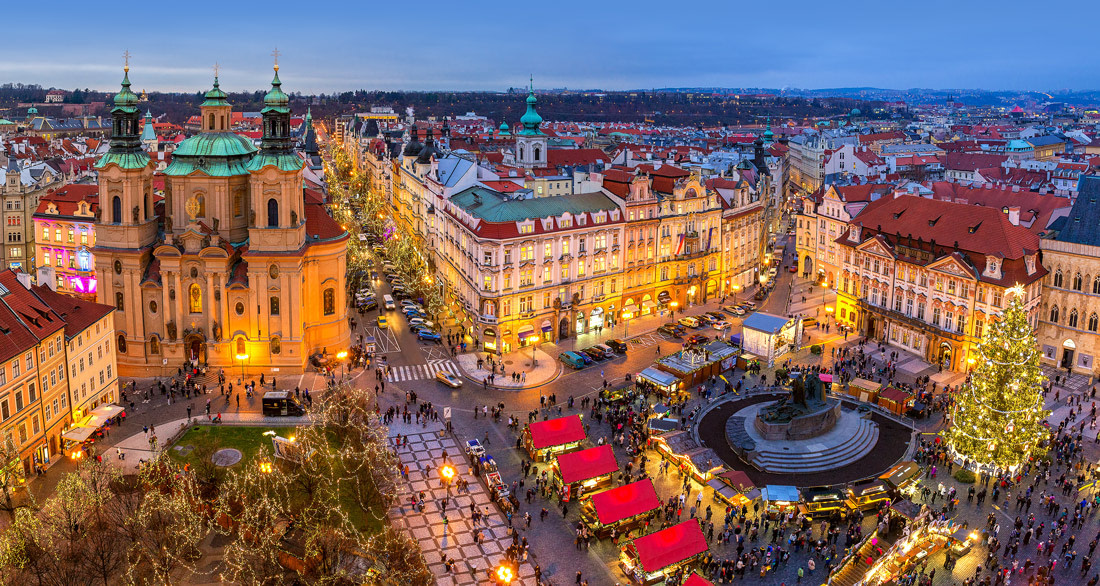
(998, 415)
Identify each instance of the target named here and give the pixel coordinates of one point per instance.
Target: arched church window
(538, 153)
(121, 343)
(194, 298)
(241, 351)
(272, 213)
(120, 303)
(521, 153)
(154, 345)
(116, 210)
(329, 298)
(211, 125)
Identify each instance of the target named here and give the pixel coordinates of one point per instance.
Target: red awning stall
(654, 557)
(544, 439)
(895, 400)
(579, 473)
(696, 580)
(622, 509)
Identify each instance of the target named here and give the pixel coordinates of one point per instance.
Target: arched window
(538, 152)
(154, 345)
(1073, 318)
(120, 303)
(521, 153)
(272, 213)
(241, 351)
(329, 299)
(274, 302)
(1058, 278)
(194, 298)
(121, 344)
(1077, 282)
(1093, 322)
(148, 204)
(211, 121)
(116, 210)
(1096, 285)
(1054, 314)
(276, 345)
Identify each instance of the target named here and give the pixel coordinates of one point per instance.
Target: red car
(792, 269)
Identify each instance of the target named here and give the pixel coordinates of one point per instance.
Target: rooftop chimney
(1014, 215)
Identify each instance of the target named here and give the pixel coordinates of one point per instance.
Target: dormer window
(527, 227)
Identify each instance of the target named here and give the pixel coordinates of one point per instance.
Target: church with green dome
(235, 264)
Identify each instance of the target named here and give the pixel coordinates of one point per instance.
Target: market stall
(577, 474)
(545, 439)
(621, 509)
(769, 337)
(696, 580)
(734, 488)
(903, 478)
(895, 400)
(659, 381)
(779, 498)
(922, 538)
(699, 462)
(658, 556)
(697, 364)
(863, 389)
(89, 429)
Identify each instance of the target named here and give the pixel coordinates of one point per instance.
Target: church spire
(531, 119)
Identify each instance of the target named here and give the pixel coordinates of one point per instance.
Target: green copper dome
(215, 97)
(218, 154)
(531, 119)
(276, 99)
(125, 98)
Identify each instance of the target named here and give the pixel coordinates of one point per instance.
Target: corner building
(240, 267)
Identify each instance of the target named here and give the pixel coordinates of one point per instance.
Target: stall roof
(825, 378)
(626, 501)
(901, 473)
(585, 464)
(659, 377)
(765, 322)
(664, 548)
(696, 580)
(709, 354)
(894, 394)
(865, 384)
(738, 479)
(555, 432)
(105, 411)
(779, 492)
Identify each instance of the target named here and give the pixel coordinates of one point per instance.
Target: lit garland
(998, 416)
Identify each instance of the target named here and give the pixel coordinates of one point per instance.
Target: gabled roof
(1082, 226)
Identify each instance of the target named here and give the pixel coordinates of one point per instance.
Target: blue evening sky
(493, 44)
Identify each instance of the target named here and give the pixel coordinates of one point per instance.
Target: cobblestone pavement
(449, 530)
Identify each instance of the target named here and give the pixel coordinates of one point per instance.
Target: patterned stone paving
(456, 538)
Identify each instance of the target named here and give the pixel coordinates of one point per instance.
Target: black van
(279, 403)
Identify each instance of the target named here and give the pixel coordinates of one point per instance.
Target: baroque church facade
(239, 267)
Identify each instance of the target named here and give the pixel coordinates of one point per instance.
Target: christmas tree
(998, 416)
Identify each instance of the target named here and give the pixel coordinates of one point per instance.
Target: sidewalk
(546, 369)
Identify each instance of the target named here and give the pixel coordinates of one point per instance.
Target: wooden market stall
(696, 580)
(655, 557)
(664, 383)
(89, 429)
(770, 337)
(577, 474)
(697, 364)
(699, 462)
(863, 389)
(903, 478)
(779, 498)
(895, 400)
(621, 509)
(734, 488)
(545, 439)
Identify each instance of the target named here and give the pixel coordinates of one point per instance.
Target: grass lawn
(245, 439)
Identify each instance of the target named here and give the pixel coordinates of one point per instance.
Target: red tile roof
(973, 161)
(575, 157)
(881, 136)
(78, 314)
(25, 319)
(67, 199)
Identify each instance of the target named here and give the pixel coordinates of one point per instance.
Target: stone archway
(807, 266)
(194, 348)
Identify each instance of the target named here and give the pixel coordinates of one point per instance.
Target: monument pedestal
(812, 423)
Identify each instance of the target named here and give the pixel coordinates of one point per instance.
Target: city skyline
(577, 46)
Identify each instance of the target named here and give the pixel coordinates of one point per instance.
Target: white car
(419, 321)
(448, 379)
(721, 325)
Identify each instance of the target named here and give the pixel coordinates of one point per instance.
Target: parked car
(421, 321)
(388, 302)
(698, 339)
(706, 319)
(617, 345)
(792, 269)
(671, 329)
(689, 321)
(408, 302)
(809, 322)
(721, 325)
(572, 359)
(595, 353)
(426, 334)
(368, 304)
(448, 379)
(606, 350)
(733, 310)
(716, 315)
(749, 306)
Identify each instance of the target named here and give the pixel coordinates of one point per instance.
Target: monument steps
(827, 458)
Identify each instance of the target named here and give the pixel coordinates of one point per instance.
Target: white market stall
(769, 336)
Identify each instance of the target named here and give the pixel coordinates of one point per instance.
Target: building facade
(244, 270)
(65, 227)
(933, 294)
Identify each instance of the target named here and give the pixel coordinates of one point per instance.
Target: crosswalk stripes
(422, 371)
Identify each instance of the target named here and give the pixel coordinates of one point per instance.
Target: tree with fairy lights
(998, 416)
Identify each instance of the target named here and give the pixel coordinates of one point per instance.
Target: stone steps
(798, 462)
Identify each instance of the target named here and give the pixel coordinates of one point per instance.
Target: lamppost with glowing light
(242, 357)
(446, 475)
(970, 361)
(504, 574)
(531, 341)
(673, 305)
(341, 355)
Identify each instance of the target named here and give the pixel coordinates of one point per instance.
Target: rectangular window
(29, 359)
(31, 394)
(548, 250)
(936, 316)
(920, 311)
(5, 411)
(897, 303)
(909, 307)
(14, 369)
(981, 294)
(996, 299)
(546, 300)
(19, 400)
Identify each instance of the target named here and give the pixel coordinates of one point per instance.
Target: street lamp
(341, 355)
(242, 358)
(531, 341)
(504, 574)
(673, 305)
(447, 474)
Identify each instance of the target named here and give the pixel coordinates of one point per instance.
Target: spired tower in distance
(237, 265)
